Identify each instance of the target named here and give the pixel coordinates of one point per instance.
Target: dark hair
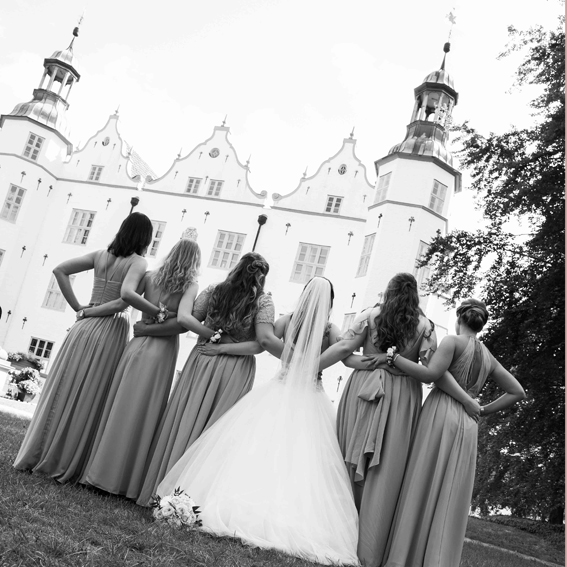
(330, 283)
(473, 313)
(134, 236)
(234, 302)
(397, 322)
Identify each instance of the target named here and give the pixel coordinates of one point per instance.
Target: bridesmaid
(210, 385)
(62, 431)
(379, 408)
(140, 388)
(432, 512)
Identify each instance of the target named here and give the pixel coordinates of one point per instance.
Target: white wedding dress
(270, 470)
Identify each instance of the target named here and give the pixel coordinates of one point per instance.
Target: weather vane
(452, 18)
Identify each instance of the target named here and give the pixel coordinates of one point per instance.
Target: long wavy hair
(180, 269)
(234, 302)
(133, 236)
(397, 322)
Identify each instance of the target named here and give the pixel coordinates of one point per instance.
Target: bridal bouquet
(176, 509)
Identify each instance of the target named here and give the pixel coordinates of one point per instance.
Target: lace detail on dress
(201, 304)
(265, 314)
(266, 310)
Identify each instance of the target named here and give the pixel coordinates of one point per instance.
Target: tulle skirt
(271, 473)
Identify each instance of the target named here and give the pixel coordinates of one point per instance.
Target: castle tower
(50, 100)
(415, 182)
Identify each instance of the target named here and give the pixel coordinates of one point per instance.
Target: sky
(293, 77)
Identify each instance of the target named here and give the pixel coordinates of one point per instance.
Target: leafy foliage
(519, 176)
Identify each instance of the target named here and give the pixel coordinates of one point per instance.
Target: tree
(518, 175)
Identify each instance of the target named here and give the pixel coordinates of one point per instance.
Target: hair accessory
(391, 355)
(256, 265)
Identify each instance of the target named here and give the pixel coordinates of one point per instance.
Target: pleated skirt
(432, 513)
(207, 388)
(375, 438)
(135, 405)
(64, 426)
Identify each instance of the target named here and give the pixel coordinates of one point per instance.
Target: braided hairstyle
(234, 302)
(473, 313)
(397, 322)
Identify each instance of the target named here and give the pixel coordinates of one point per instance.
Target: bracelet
(391, 355)
(162, 313)
(482, 411)
(216, 337)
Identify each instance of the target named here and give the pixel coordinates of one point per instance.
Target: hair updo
(473, 313)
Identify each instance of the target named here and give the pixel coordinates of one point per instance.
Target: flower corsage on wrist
(391, 355)
(162, 314)
(216, 337)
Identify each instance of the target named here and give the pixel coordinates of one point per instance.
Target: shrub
(27, 357)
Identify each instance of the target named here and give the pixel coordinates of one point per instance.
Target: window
(382, 188)
(310, 261)
(438, 196)
(347, 322)
(365, 256)
(227, 250)
(54, 298)
(421, 274)
(79, 227)
(215, 188)
(193, 185)
(333, 204)
(33, 146)
(2, 252)
(13, 203)
(159, 228)
(96, 170)
(41, 348)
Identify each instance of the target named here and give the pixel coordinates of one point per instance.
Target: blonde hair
(180, 269)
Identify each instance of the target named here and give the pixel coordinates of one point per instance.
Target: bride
(270, 471)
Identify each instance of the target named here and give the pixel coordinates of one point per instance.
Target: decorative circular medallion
(106, 141)
(342, 169)
(214, 152)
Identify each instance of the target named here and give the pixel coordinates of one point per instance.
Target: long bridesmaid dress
(431, 517)
(375, 434)
(207, 388)
(62, 431)
(135, 405)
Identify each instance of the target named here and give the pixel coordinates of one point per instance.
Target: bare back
(155, 295)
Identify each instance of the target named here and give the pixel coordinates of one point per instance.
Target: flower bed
(24, 385)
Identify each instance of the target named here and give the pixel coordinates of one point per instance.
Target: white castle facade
(355, 226)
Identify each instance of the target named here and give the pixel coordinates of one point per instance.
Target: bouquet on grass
(176, 509)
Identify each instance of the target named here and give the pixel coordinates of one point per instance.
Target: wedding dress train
(270, 470)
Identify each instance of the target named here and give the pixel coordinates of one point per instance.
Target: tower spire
(49, 103)
(76, 31)
(428, 131)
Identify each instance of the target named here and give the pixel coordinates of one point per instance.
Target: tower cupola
(50, 99)
(428, 131)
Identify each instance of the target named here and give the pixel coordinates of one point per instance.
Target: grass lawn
(475, 555)
(43, 523)
(549, 549)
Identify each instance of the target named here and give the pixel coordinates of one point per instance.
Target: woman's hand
(375, 360)
(140, 328)
(209, 349)
(472, 408)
